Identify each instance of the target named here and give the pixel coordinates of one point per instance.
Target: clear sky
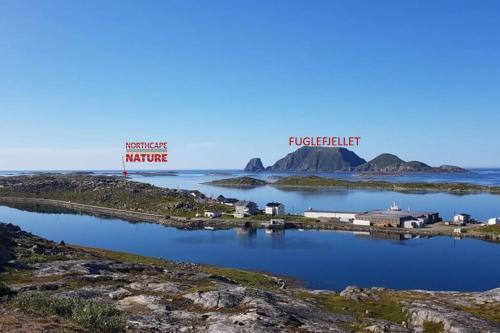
(224, 81)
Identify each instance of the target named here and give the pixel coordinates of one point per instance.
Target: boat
(209, 228)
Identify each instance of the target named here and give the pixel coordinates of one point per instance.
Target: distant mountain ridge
(332, 159)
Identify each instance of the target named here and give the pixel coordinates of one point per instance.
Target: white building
(461, 219)
(494, 220)
(342, 216)
(410, 224)
(361, 222)
(212, 214)
(245, 208)
(275, 208)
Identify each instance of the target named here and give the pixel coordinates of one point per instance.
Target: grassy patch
(95, 316)
(247, 278)
(489, 311)
(432, 327)
(14, 276)
(4, 291)
(120, 256)
(384, 308)
(28, 257)
(490, 229)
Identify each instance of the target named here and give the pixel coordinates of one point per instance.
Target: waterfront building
(226, 201)
(426, 217)
(212, 214)
(275, 208)
(328, 214)
(361, 222)
(494, 220)
(391, 217)
(385, 218)
(410, 224)
(461, 219)
(245, 208)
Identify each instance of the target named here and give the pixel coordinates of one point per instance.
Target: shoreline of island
(314, 182)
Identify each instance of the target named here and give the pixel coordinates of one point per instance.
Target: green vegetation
(119, 256)
(489, 311)
(238, 182)
(490, 229)
(432, 327)
(315, 181)
(4, 291)
(91, 315)
(247, 278)
(28, 257)
(385, 307)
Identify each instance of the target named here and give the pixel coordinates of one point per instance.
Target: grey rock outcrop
(254, 165)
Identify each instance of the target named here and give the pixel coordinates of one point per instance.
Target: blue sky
(224, 81)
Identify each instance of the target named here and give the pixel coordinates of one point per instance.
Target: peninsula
(110, 192)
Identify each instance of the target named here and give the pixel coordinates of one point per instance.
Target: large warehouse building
(392, 217)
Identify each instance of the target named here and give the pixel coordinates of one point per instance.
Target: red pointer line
(124, 171)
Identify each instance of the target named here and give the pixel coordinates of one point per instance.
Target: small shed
(212, 214)
(413, 224)
(461, 219)
(494, 220)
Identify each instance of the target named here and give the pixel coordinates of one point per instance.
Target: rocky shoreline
(45, 286)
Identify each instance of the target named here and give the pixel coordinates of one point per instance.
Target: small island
(316, 181)
(238, 182)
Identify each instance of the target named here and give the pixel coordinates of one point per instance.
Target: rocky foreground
(49, 286)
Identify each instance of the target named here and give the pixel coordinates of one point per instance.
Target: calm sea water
(481, 206)
(321, 259)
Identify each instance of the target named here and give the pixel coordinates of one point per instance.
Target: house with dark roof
(245, 208)
(275, 208)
